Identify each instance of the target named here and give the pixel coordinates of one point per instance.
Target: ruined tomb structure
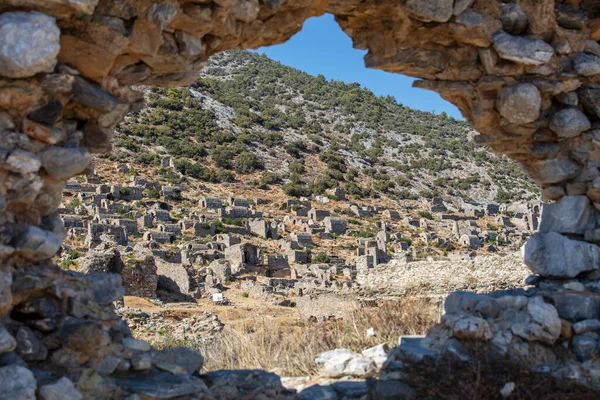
(523, 73)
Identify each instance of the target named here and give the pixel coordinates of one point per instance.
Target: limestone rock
(514, 20)
(29, 43)
(570, 17)
(431, 10)
(62, 162)
(188, 360)
(554, 170)
(7, 342)
(23, 162)
(552, 254)
(63, 389)
(17, 383)
(584, 346)
(43, 132)
(468, 327)
(221, 269)
(571, 214)
(162, 385)
(470, 18)
(460, 6)
(92, 96)
(589, 96)
(587, 325)
(342, 362)
(522, 50)
(136, 344)
(521, 103)
(37, 244)
(544, 323)
(586, 64)
(569, 122)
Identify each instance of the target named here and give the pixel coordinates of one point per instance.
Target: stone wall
(524, 75)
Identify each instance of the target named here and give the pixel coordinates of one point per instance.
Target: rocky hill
(253, 120)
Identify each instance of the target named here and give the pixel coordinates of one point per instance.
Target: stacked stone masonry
(525, 74)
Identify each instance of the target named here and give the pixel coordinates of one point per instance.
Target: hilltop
(253, 120)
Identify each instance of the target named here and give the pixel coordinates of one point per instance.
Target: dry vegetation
(290, 349)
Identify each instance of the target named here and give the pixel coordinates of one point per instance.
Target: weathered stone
(48, 114)
(29, 43)
(63, 389)
(589, 96)
(161, 385)
(7, 342)
(514, 20)
(587, 325)
(318, 392)
(92, 96)
(188, 360)
(586, 64)
(470, 18)
(520, 104)
(23, 162)
(571, 214)
(553, 192)
(37, 244)
(554, 170)
(584, 346)
(576, 306)
(17, 383)
(544, 323)
(522, 50)
(460, 6)
(141, 361)
(29, 346)
(570, 17)
(569, 122)
(343, 362)
(65, 162)
(552, 254)
(431, 10)
(44, 133)
(136, 344)
(467, 327)
(389, 390)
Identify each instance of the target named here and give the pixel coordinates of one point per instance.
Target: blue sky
(322, 48)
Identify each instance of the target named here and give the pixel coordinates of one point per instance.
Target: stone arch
(524, 74)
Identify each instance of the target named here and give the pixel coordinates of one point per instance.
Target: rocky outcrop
(524, 75)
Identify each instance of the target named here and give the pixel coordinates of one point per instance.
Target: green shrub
(247, 163)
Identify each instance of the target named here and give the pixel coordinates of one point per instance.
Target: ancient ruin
(523, 73)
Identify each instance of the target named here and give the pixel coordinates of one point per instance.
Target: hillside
(247, 113)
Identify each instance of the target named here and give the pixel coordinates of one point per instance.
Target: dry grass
(290, 349)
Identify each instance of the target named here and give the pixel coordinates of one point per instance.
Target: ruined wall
(523, 73)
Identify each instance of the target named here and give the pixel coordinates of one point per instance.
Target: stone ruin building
(524, 74)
